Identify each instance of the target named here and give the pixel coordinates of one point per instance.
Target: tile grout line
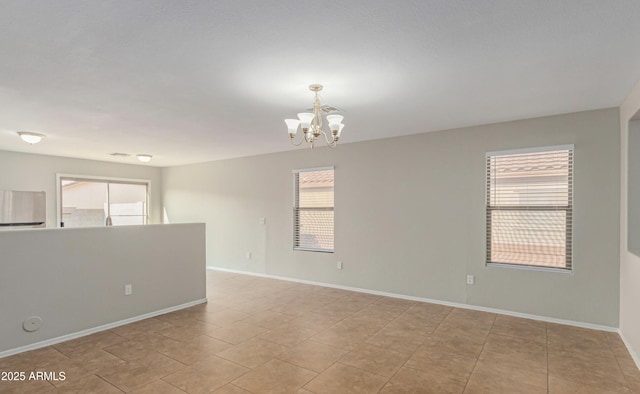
(414, 352)
(546, 347)
(109, 383)
(475, 365)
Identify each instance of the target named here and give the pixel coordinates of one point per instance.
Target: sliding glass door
(89, 202)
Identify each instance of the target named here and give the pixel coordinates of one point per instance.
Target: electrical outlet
(470, 279)
(248, 255)
(128, 289)
(339, 265)
(263, 220)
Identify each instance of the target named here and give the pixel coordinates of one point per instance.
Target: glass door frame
(102, 179)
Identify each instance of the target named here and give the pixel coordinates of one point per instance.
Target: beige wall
(410, 218)
(629, 262)
(74, 279)
(23, 171)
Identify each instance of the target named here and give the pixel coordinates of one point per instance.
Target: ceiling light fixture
(144, 158)
(31, 138)
(311, 123)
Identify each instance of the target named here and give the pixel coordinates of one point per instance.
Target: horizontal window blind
(529, 208)
(313, 210)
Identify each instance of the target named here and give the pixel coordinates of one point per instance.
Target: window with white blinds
(529, 207)
(313, 210)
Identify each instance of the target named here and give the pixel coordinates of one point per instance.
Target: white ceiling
(193, 81)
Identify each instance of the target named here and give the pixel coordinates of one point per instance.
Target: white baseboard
(93, 330)
(634, 355)
(429, 300)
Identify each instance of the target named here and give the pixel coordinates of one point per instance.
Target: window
(529, 207)
(313, 210)
(88, 202)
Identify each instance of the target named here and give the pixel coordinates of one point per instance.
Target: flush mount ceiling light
(144, 158)
(311, 123)
(31, 138)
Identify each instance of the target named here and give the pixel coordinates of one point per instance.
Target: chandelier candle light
(311, 123)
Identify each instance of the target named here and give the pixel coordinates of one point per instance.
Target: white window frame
(568, 209)
(94, 178)
(296, 208)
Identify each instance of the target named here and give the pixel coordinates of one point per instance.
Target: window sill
(312, 250)
(530, 268)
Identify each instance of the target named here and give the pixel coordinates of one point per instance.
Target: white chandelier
(311, 123)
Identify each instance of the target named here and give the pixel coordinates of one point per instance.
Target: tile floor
(260, 335)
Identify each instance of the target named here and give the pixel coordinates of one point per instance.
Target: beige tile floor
(261, 335)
